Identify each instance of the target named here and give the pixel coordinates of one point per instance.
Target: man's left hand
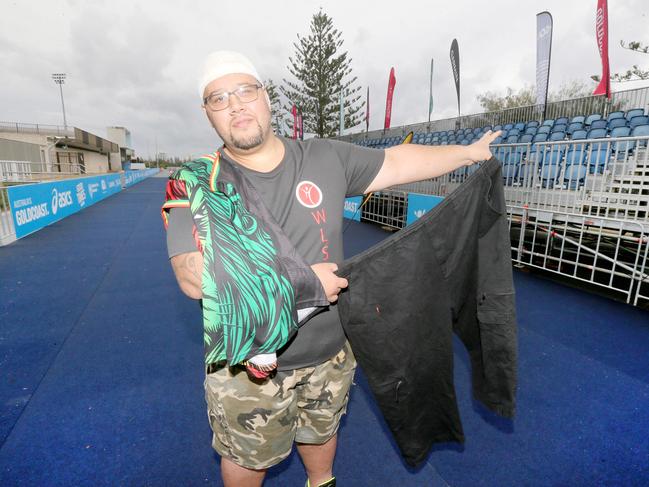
(479, 150)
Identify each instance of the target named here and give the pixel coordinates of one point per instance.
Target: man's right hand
(331, 283)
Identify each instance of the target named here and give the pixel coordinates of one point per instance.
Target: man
(256, 419)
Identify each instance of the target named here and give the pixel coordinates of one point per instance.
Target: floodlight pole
(59, 79)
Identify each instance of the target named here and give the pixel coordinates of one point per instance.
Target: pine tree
(277, 120)
(634, 74)
(321, 73)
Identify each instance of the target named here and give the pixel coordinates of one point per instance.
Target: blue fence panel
(419, 204)
(34, 206)
(352, 206)
(133, 177)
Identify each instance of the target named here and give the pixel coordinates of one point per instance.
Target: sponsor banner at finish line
(34, 206)
(419, 204)
(351, 207)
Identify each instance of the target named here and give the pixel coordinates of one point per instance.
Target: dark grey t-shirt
(305, 193)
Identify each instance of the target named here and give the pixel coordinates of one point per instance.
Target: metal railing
(576, 208)
(30, 172)
(598, 177)
(7, 232)
(387, 208)
(34, 128)
(622, 100)
(599, 251)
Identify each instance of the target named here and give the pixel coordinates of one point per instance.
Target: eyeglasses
(221, 101)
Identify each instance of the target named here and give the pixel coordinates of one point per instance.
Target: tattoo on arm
(188, 269)
(192, 265)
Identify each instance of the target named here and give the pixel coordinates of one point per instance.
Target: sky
(136, 63)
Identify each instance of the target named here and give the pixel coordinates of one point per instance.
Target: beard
(250, 141)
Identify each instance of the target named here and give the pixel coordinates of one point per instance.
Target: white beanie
(221, 63)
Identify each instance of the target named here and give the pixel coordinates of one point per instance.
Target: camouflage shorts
(255, 422)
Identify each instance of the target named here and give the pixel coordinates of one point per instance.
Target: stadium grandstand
(576, 183)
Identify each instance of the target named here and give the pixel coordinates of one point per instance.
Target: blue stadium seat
(575, 176)
(616, 122)
(559, 127)
(537, 154)
(597, 159)
(514, 158)
(514, 131)
(557, 136)
(577, 119)
(510, 172)
(549, 122)
(544, 129)
(620, 131)
(554, 157)
(502, 154)
(497, 140)
(614, 115)
(531, 130)
(520, 126)
(575, 155)
(540, 138)
(497, 127)
(561, 121)
(525, 138)
(508, 126)
(599, 124)
(504, 133)
(640, 131)
(512, 139)
(579, 134)
(465, 142)
(591, 118)
(526, 174)
(639, 120)
(574, 126)
(550, 175)
(532, 123)
(622, 148)
(596, 133)
(634, 112)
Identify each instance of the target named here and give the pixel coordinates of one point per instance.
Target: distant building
(122, 137)
(52, 149)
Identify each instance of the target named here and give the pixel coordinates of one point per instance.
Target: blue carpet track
(102, 378)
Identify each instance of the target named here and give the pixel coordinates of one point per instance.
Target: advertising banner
(133, 177)
(34, 206)
(601, 31)
(543, 53)
(351, 208)
(455, 66)
(419, 204)
(430, 94)
(367, 111)
(388, 101)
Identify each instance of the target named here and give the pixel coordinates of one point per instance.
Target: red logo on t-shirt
(308, 194)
